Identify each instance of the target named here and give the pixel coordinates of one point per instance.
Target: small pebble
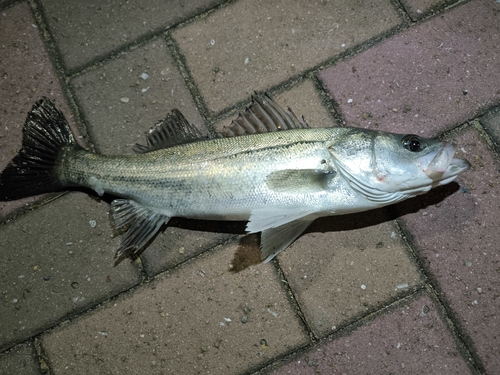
(124, 99)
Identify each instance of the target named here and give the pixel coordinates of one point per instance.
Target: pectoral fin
(274, 240)
(265, 218)
(139, 224)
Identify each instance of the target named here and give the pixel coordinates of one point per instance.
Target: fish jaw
(440, 166)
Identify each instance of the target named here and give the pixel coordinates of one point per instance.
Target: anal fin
(139, 224)
(275, 240)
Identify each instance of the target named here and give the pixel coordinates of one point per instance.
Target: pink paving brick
(411, 340)
(427, 79)
(458, 241)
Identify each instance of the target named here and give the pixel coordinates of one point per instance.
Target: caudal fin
(33, 171)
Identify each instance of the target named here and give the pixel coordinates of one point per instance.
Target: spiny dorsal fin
(173, 130)
(262, 116)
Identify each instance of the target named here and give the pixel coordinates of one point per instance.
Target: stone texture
(54, 263)
(427, 79)
(186, 321)
(347, 266)
(420, 8)
(491, 123)
(86, 30)
(20, 360)
(26, 74)
(121, 104)
(458, 239)
(183, 239)
(412, 339)
(255, 45)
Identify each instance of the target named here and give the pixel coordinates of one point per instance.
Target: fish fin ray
(275, 240)
(172, 131)
(272, 217)
(264, 115)
(33, 171)
(138, 224)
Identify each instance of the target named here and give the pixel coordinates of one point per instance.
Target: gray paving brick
(175, 245)
(458, 241)
(120, 103)
(427, 79)
(20, 360)
(254, 45)
(491, 123)
(26, 75)
(187, 321)
(346, 266)
(412, 339)
(85, 30)
(54, 263)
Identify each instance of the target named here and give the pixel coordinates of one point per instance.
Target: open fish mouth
(441, 165)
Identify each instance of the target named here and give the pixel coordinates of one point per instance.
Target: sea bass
(271, 169)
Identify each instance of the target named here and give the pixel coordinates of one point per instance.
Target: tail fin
(33, 171)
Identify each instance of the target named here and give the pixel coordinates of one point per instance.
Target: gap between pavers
(409, 338)
(255, 45)
(200, 317)
(57, 261)
(457, 240)
(426, 79)
(124, 98)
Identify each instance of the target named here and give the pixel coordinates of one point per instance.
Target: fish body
(272, 170)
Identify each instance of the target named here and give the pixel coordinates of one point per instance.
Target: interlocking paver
(254, 45)
(124, 98)
(85, 30)
(413, 339)
(199, 318)
(458, 241)
(427, 79)
(55, 261)
(491, 123)
(26, 74)
(20, 360)
(343, 274)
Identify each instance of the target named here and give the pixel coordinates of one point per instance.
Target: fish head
(389, 167)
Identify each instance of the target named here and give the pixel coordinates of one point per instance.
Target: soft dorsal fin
(262, 116)
(173, 130)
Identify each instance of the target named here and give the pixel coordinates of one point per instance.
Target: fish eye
(413, 143)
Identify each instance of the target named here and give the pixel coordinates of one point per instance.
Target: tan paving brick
(54, 262)
(187, 321)
(85, 30)
(124, 98)
(254, 45)
(346, 266)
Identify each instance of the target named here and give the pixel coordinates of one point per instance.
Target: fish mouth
(440, 165)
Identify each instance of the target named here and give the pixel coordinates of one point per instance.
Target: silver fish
(271, 170)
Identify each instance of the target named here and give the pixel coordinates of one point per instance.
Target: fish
(267, 168)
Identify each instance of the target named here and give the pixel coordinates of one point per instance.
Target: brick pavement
(408, 289)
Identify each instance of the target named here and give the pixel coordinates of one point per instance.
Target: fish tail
(33, 171)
